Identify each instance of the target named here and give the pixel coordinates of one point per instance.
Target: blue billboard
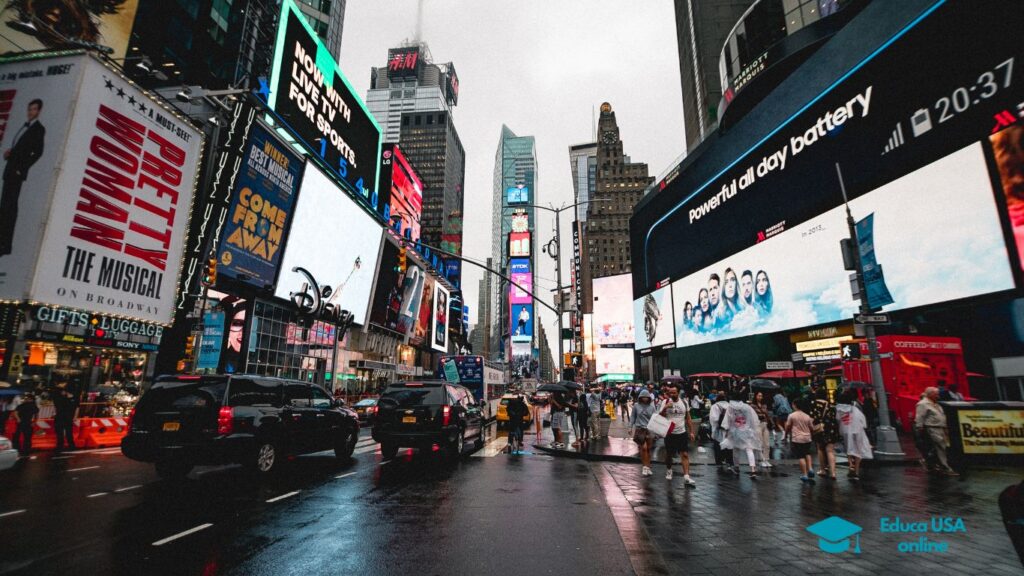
(522, 322)
(517, 195)
(261, 207)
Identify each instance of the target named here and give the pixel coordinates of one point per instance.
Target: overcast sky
(542, 67)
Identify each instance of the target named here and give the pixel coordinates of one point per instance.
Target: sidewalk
(619, 447)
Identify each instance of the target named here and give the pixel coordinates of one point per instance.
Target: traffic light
(567, 359)
(402, 263)
(577, 361)
(851, 350)
(190, 345)
(210, 275)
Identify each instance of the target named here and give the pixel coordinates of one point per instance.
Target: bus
(485, 379)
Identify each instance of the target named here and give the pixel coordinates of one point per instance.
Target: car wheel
(172, 470)
(388, 450)
(345, 445)
(267, 458)
(458, 445)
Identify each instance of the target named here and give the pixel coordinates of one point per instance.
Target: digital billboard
(797, 278)
(452, 87)
(108, 23)
(519, 271)
(387, 289)
(404, 62)
(652, 317)
(404, 191)
(98, 187)
(519, 222)
(613, 324)
(521, 321)
(1008, 148)
(517, 195)
(926, 147)
(519, 244)
(348, 267)
(439, 340)
(265, 190)
(425, 314)
(309, 92)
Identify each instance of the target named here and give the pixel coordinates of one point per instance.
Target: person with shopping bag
(679, 434)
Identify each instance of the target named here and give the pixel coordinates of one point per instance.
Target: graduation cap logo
(834, 535)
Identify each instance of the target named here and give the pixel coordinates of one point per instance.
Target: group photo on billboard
(250, 245)
(97, 189)
(349, 267)
(953, 250)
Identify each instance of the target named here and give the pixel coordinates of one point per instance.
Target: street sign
(797, 357)
(875, 319)
(778, 365)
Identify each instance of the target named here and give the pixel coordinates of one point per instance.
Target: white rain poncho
(717, 432)
(852, 425)
(741, 427)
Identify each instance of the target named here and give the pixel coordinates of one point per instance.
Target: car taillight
(371, 411)
(226, 420)
(446, 415)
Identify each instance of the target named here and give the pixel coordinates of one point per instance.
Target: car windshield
(416, 396)
(505, 401)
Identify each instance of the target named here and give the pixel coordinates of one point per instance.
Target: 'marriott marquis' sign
(310, 93)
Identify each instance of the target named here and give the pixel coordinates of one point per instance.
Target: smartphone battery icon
(920, 122)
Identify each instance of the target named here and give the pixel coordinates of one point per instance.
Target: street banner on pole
(874, 281)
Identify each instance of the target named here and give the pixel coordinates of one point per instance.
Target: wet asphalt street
(100, 513)
(489, 513)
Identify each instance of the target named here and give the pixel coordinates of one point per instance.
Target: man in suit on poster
(25, 150)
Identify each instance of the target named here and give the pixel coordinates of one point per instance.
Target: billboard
(387, 291)
(519, 271)
(401, 191)
(108, 23)
(797, 277)
(1008, 149)
(309, 92)
(98, 182)
(652, 315)
(265, 189)
(519, 222)
(523, 364)
(521, 322)
(348, 267)
(425, 314)
(453, 271)
(613, 324)
(517, 195)
(452, 86)
(412, 296)
(404, 62)
(894, 114)
(519, 244)
(229, 321)
(439, 341)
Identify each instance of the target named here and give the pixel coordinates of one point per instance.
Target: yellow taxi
(502, 416)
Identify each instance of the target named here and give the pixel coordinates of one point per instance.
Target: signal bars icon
(895, 140)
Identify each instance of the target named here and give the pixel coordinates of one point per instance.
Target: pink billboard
(519, 271)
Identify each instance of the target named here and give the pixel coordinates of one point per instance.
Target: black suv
(425, 414)
(257, 421)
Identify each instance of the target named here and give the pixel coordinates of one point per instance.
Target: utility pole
(887, 443)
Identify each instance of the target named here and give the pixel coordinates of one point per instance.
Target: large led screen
(613, 323)
(905, 116)
(522, 322)
(519, 271)
(334, 239)
(425, 315)
(439, 340)
(519, 244)
(652, 315)
(936, 235)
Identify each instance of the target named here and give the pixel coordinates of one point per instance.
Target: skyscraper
(701, 28)
(515, 183)
(413, 100)
(619, 185)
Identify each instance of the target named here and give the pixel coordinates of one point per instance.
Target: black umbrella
(673, 379)
(763, 384)
(571, 385)
(552, 387)
(855, 385)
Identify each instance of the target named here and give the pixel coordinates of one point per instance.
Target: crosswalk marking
(492, 448)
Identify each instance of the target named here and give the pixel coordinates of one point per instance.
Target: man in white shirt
(677, 411)
(594, 405)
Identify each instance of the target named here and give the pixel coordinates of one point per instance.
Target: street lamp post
(557, 241)
(888, 444)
